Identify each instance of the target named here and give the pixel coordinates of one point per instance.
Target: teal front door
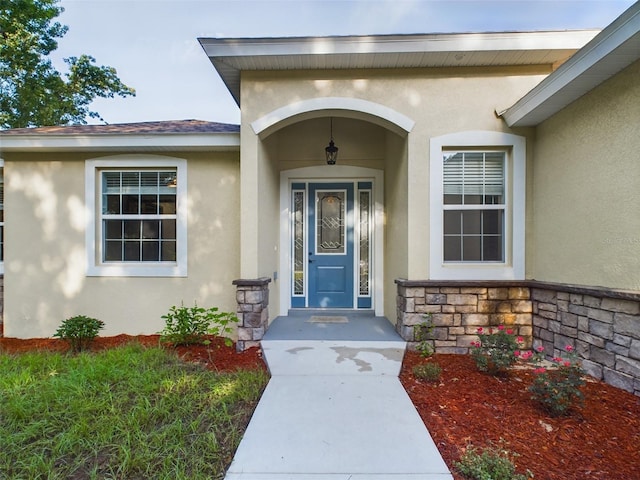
(331, 245)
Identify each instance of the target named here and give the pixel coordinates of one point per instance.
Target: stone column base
(252, 296)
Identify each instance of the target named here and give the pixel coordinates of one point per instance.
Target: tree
(32, 91)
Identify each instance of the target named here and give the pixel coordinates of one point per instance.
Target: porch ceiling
(230, 56)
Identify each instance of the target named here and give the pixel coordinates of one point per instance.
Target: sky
(153, 43)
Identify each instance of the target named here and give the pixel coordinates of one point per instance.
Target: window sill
(136, 270)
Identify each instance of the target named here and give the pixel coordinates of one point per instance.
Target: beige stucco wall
(439, 101)
(45, 279)
(586, 225)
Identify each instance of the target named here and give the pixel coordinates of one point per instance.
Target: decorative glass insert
(139, 216)
(474, 207)
(298, 242)
(364, 241)
(330, 222)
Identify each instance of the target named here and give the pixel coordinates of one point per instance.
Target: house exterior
(481, 179)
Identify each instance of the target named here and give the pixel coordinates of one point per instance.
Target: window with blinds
(474, 206)
(139, 216)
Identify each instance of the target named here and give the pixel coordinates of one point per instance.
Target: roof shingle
(160, 127)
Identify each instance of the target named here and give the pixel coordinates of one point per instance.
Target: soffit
(230, 56)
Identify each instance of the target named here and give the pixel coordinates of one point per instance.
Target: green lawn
(126, 413)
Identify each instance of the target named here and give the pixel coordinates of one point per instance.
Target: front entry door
(331, 245)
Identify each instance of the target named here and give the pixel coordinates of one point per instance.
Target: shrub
(429, 372)
(422, 334)
(557, 389)
(489, 464)
(495, 352)
(79, 331)
(189, 325)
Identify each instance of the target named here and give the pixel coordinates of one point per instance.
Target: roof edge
(526, 111)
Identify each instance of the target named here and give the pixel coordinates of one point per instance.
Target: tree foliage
(32, 91)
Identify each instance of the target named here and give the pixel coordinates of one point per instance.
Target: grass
(129, 412)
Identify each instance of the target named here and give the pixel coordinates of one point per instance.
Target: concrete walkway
(335, 410)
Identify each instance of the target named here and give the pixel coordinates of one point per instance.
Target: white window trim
(513, 268)
(93, 236)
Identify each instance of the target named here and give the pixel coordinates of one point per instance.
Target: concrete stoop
(336, 410)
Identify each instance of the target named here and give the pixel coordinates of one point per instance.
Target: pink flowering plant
(495, 351)
(556, 388)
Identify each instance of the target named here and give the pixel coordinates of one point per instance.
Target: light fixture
(331, 151)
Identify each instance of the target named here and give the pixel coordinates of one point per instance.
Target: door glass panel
(331, 215)
(298, 243)
(364, 242)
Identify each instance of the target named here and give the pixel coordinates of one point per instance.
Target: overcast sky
(153, 43)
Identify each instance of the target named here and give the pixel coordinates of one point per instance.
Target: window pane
(452, 250)
(150, 251)
(131, 182)
(471, 223)
(130, 204)
(113, 251)
(471, 251)
(492, 222)
(330, 223)
(131, 251)
(113, 229)
(298, 242)
(131, 229)
(364, 242)
(167, 205)
(112, 204)
(151, 229)
(149, 204)
(492, 249)
(452, 222)
(168, 229)
(168, 251)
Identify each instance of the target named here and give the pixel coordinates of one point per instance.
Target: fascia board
(33, 143)
(247, 47)
(612, 38)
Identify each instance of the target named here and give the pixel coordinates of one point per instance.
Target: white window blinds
(474, 173)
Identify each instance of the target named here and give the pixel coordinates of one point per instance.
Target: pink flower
(520, 340)
(540, 370)
(567, 363)
(480, 330)
(540, 348)
(527, 355)
(517, 353)
(569, 348)
(557, 359)
(501, 327)
(509, 331)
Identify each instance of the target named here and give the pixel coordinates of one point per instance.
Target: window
(474, 205)
(477, 206)
(139, 227)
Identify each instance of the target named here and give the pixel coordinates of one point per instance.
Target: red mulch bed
(600, 440)
(215, 356)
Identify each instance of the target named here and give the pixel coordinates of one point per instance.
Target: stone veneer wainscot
(603, 325)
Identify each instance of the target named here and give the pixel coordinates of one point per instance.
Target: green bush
(496, 350)
(189, 325)
(488, 464)
(429, 372)
(422, 333)
(79, 331)
(557, 389)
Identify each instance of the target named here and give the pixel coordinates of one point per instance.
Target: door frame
(337, 174)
